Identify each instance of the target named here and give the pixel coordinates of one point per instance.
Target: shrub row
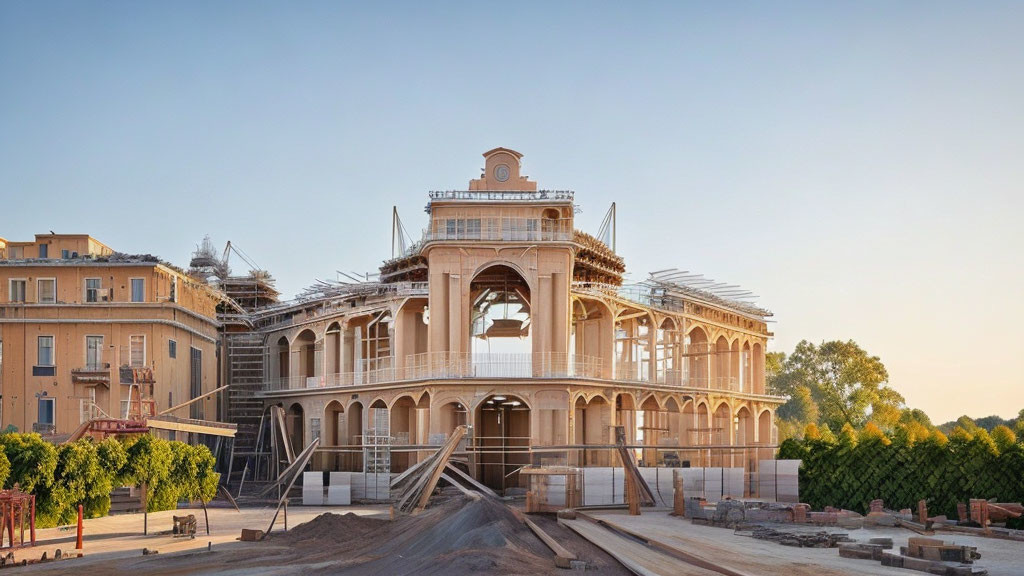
(84, 472)
(851, 470)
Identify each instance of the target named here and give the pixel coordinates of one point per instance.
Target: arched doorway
(721, 433)
(332, 349)
(651, 428)
(354, 460)
(304, 348)
(333, 433)
(667, 353)
(764, 427)
(502, 440)
(296, 425)
(403, 428)
(280, 357)
(722, 364)
(591, 427)
(698, 355)
(746, 374)
(500, 324)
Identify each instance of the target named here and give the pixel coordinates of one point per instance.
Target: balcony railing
(499, 229)
(452, 365)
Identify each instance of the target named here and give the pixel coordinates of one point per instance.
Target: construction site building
(506, 318)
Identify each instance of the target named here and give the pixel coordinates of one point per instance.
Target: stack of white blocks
(312, 488)
(779, 480)
(339, 490)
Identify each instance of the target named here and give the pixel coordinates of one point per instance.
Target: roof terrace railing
(502, 195)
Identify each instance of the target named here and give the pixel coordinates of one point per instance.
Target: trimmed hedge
(850, 471)
(84, 472)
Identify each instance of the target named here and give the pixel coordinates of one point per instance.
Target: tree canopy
(835, 384)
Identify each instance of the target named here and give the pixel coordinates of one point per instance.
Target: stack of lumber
(418, 482)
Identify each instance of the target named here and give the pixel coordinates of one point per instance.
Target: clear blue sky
(859, 165)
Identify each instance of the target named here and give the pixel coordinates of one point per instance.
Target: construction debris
(420, 485)
(819, 539)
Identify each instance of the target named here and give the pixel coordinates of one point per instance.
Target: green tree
(1004, 438)
(32, 460)
(845, 383)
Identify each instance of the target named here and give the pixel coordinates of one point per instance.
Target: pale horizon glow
(859, 166)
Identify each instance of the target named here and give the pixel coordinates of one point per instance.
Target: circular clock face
(501, 172)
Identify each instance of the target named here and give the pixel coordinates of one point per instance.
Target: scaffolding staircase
(245, 375)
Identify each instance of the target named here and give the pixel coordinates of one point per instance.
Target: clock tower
(501, 172)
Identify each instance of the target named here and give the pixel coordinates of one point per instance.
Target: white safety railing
(451, 365)
(499, 229)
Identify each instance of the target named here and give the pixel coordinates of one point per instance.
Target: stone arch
(764, 427)
(744, 427)
(757, 370)
(698, 365)
(500, 315)
(280, 357)
(296, 426)
(303, 350)
(332, 348)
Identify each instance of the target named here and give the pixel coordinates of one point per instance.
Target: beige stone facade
(505, 317)
(75, 316)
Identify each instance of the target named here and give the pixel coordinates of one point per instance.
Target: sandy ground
(1000, 557)
(455, 536)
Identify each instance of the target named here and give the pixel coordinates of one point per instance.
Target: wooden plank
(278, 413)
(190, 427)
(670, 549)
(435, 475)
(448, 466)
(551, 543)
(308, 453)
(636, 557)
(194, 400)
(463, 489)
(401, 477)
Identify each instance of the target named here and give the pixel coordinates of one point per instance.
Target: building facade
(76, 317)
(505, 317)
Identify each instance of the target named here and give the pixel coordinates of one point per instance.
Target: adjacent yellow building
(76, 316)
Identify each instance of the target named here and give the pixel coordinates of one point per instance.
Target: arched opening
(502, 439)
(304, 350)
(698, 356)
(592, 323)
(625, 416)
(720, 380)
(451, 416)
(651, 428)
(673, 435)
(668, 346)
(721, 432)
(295, 422)
(734, 365)
(280, 355)
(592, 420)
(633, 347)
(332, 348)
(744, 426)
(333, 433)
(758, 385)
(745, 369)
(354, 460)
(500, 323)
(764, 427)
(404, 425)
(549, 224)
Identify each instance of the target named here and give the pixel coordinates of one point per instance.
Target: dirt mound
(330, 526)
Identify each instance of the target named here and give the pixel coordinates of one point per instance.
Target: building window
(17, 290)
(44, 351)
(174, 289)
(17, 252)
(46, 290)
(137, 357)
(196, 383)
(92, 289)
(314, 427)
(65, 254)
(172, 349)
(94, 352)
(138, 290)
(44, 250)
(46, 412)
